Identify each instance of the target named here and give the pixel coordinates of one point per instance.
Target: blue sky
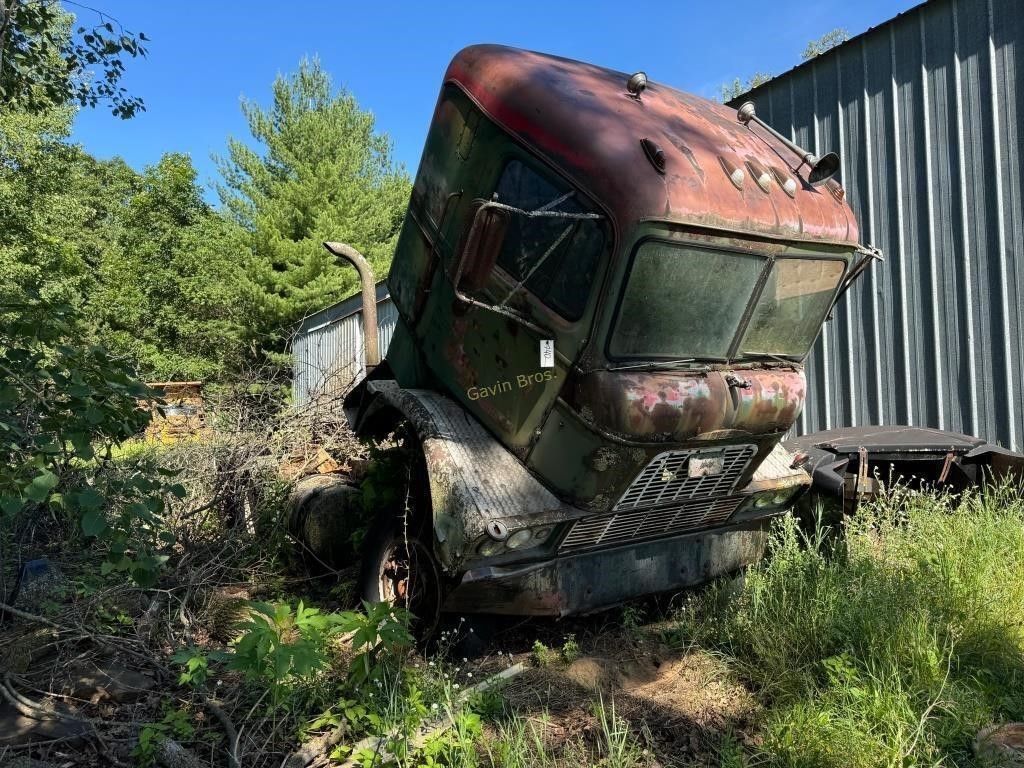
(204, 56)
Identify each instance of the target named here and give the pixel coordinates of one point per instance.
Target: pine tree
(321, 173)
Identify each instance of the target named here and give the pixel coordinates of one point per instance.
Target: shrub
(64, 409)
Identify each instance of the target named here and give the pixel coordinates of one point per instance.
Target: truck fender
(473, 479)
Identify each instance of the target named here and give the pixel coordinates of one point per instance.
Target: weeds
(893, 649)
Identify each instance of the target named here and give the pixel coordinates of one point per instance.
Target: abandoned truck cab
(606, 289)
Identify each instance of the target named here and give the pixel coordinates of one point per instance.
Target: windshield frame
(829, 252)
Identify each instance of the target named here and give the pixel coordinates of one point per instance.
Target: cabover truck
(606, 290)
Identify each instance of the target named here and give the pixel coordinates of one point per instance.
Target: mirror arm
(868, 254)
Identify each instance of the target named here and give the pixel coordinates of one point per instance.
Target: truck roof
(581, 119)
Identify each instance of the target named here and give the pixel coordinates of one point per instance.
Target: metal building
(327, 348)
(925, 112)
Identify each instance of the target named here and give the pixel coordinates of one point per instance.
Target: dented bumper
(587, 582)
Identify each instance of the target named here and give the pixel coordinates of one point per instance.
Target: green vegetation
(826, 42)
(64, 408)
(322, 173)
(154, 273)
(44, 65)
(893, 649)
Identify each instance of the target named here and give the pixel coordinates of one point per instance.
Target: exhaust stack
(369, 291)
(822, 168)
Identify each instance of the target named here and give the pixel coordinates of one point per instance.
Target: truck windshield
(688, 302)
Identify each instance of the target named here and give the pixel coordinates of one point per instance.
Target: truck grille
(623, 527)
(666, 479)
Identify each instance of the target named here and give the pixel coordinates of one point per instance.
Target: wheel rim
(408, 578)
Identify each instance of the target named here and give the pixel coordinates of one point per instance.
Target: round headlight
(764, 500)
(542, 533)
(490, 547)
(781, 497)
(519, 539)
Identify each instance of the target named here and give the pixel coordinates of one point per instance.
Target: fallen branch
(5, 608)
(432, 727)
(315, 748)
(171, 754)
(229, 729)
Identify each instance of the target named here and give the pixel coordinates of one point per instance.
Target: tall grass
(892, 648)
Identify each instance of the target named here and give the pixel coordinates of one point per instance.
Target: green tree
(737, 88)
(321, 173)
(168, 291)
(44, 65)
(39, 208)
(826, 42)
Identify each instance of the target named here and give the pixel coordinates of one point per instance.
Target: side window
(554, 258)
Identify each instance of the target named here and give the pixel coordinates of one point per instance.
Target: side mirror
(481, 246)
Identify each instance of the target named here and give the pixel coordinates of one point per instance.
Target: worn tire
(399, 568)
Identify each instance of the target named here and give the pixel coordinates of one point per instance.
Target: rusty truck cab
(682, 267)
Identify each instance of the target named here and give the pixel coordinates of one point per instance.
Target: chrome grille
(666, 479)
(623, 527)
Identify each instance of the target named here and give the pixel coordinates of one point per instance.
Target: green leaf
(41, 485)
(93, 523)
(90, 498)
(11, 504)
(178, 490)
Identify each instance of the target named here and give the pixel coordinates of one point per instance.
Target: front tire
(399, 568)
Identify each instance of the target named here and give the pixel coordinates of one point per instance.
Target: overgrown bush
(65, 408)
(894, 650)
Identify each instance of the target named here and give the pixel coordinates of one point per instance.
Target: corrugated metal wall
(925, 113)
(327, 349)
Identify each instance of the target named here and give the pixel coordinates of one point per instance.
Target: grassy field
(891, 643)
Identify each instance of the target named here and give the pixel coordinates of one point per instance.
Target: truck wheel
(399, 568)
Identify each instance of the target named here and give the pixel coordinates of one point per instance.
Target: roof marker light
(760, 175)
(735, 173)
(787, 182)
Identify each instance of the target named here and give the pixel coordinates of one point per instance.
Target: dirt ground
(680, 704)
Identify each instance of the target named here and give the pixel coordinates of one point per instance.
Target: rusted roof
(581, 118)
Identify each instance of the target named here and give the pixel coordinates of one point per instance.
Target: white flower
(469, 674)
(434, 705)
(464, 659)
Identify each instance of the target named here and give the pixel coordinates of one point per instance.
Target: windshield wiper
(660, 364)
(771, 356)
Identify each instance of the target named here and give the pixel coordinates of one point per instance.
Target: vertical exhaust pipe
(369, 291)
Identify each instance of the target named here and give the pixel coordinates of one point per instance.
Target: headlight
(763, 501)
(490, 547)
(519, 539)
(781, 497)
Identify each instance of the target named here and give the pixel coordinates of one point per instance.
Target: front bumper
(590, 581)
